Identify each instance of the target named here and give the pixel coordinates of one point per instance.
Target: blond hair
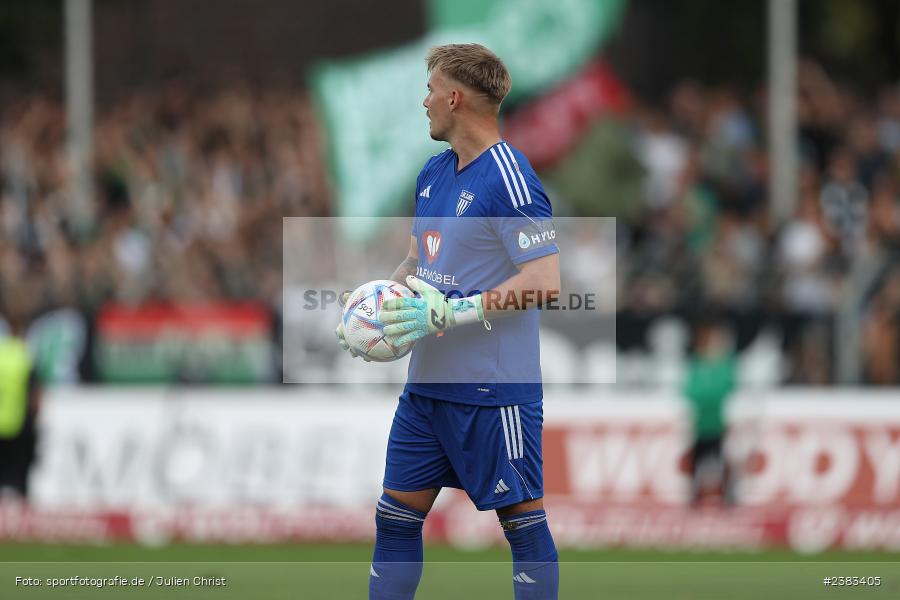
(472, 65)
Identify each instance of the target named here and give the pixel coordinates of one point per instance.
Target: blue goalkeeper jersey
(474, 227)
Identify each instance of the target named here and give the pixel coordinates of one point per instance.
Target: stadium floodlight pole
(79, 108)
(782, 51)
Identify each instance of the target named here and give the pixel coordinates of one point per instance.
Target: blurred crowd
(189, 194)
(190, 190)
(706, 239)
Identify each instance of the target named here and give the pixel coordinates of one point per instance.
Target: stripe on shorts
(519, 432)
(512, 431)
(505, 432)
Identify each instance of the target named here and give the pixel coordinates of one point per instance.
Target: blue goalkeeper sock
(397, 562)
(535, 562)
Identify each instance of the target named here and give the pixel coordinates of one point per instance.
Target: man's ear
(455, 99)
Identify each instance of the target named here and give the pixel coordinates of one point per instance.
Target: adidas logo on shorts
(501, 488)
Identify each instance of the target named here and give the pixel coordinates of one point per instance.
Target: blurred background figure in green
(709, 382)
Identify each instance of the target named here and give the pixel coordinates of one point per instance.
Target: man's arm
(406, 268)
(409, 264)
(536, 284)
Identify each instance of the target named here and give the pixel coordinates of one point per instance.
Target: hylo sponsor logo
(525, 241)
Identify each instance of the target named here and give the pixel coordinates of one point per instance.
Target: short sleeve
(522, 214)
(423, 191)
(416, 195)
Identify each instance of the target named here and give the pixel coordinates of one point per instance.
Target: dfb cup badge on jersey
(465, 200)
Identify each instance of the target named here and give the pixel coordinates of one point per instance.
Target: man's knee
(395, 518)
(421, 500)
(520, 507)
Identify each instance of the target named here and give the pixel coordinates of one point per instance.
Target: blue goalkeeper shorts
(493, 453)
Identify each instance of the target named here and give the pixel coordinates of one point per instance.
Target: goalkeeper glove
(408, 319)
(339, 331)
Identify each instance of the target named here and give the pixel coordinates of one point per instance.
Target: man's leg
(397, 561)
(496, 453)
(535, 562)
(694, 458)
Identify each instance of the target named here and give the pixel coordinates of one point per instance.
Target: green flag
(372, 106)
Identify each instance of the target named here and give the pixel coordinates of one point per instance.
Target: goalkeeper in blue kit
(482, 253)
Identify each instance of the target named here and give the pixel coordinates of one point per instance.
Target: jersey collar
(459, 172)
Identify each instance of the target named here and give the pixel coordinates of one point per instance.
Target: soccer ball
(362, 328)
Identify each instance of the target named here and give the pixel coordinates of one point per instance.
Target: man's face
(437, 104)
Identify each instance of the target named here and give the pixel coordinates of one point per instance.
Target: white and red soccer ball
(363, 329)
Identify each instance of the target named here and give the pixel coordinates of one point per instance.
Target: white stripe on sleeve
(512, 176)
(505, 179)
(519, 171)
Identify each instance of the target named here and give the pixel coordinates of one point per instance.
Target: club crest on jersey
(432, 241)
(465, 201)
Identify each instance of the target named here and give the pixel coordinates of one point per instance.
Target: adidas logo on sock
(501, 488)
(523, 578)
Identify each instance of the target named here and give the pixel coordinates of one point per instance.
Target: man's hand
(339, 331)
(409, 319)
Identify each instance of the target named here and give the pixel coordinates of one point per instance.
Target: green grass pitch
(337, 572)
